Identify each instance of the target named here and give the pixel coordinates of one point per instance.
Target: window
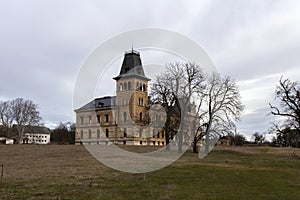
(125, 132)
(137, 85)
(90, 134)
(153, 143)
(129, 85)
(106, 133)
(124, 142)
(98, 133)
(90, 119)
(125, 116)
(141, 116)
(81, 120)
(144, 87)
(141, 101)
(106, 118)
(141, 142)
(125, 86)
(141, 87)
(121, 87)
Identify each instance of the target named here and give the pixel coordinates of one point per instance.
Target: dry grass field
(69, 172)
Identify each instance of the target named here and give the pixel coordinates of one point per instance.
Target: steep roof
(37, 130)
(107, 101)
(132, 66)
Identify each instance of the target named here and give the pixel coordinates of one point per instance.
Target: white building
(36, 138)
(5, 140)
(37, 135)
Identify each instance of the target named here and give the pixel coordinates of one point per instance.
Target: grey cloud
(43, 43)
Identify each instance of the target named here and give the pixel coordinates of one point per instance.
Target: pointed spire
(132, 65)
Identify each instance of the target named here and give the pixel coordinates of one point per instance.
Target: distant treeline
(64, 133)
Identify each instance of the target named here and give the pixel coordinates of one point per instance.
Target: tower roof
(132, 66)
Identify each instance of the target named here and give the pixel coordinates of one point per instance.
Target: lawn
(69, 172)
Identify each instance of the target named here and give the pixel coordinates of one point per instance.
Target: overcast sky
(43, 44)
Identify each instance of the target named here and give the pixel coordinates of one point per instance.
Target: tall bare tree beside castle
(218, 102)
(219, 107)
(175, 90)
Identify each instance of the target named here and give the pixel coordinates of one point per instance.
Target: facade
(36, 135)
(125, 118)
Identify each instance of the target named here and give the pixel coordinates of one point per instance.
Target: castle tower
(131, 92)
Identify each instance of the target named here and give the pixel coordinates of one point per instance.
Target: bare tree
(25, 113)
(6, 116)
(218, 100)
(219, 107)
(174, 90)
(288, 94)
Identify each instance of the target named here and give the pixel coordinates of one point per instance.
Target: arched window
(144, 87)
(106, 133)
(142, 101)
(125, 116)
(106, 118)
(125, 86)
(98, 133)
(125, 132)
(141, 116)
(121, 87)
(141, 87)
(129, 85)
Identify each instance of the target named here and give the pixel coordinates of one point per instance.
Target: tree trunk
(195, 146)
(167, 140)
(180, 138)
(167, 131)
(206, 143)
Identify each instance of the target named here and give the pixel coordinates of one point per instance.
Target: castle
(125, 118)
(120, 119)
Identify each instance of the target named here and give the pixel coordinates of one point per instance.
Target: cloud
(43, 43)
